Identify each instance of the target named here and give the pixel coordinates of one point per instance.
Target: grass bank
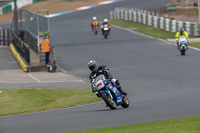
(188, 125)
(195, 44)
(18, 101)
(158, 33)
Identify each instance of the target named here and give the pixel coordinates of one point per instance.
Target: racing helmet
(94, 18)
(105, 20)
(92, 65)
(181, 30)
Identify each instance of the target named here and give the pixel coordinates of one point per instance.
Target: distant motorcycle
(96, 30)
(182, 44)
(105, 31)
(109, 93)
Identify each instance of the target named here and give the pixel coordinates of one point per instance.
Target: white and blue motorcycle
(109, 93)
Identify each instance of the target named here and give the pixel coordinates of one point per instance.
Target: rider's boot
(122, 91)
(118, 86)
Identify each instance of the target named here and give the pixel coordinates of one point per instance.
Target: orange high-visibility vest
(45, 46)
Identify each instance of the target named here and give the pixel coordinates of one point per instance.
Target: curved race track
(161, 84)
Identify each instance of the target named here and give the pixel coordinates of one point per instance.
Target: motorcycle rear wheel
(107, 99)
(105, 36)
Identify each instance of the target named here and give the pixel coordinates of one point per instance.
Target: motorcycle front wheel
(125, 101)
(107, 99)
(182, 52)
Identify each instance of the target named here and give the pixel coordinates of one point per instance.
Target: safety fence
(21, 47)
(26, 39)
(20, 3)
(5, 37)
(152, 19)
(33, 23)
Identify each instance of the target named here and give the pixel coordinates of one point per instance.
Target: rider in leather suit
(97, 70)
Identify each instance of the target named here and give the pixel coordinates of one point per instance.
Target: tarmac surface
(161, 84)
(13, 77)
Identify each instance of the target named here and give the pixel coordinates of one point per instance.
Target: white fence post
(180, 25)
(161, 23)
(150, 20)
(167, 24)
(130, 15)
(118, 14)
(155, 21)
(188, 27)
(126, 15)
(139, 17)
(174, 26)
(134, 16)
(144, 18)
(196, 29)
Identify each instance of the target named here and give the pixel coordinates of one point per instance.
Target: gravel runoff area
(54, 6)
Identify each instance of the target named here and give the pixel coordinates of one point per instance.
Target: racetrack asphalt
(161, 84)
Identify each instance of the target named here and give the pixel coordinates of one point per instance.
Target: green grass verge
(18, 101)
(195, 44)
(144, 29)
(188, 125)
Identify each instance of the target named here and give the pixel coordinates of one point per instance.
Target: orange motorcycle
(95, 27)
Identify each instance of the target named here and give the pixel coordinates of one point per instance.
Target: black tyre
(105, 36)
(182, 52)
(107, 99)
(96, 32)
(125, 102)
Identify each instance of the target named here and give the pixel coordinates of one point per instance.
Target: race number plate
(99, 84)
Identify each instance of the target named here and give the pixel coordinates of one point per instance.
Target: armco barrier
(152, 19)
(19, 58)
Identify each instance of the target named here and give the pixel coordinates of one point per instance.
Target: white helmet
(105, 20)
(94, 18)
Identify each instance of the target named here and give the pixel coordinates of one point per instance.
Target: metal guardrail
(5, 37)
(21, 47)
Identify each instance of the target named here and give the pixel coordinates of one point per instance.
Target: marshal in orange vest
(45, 45)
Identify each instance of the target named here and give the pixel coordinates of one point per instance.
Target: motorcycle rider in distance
(105, 22)
(94, 23)
(181, 32)
(98, 70)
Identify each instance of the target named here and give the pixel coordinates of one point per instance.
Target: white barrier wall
(153, 19)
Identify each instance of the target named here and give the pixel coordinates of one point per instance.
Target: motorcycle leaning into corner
(109, 93)
(182, 45)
